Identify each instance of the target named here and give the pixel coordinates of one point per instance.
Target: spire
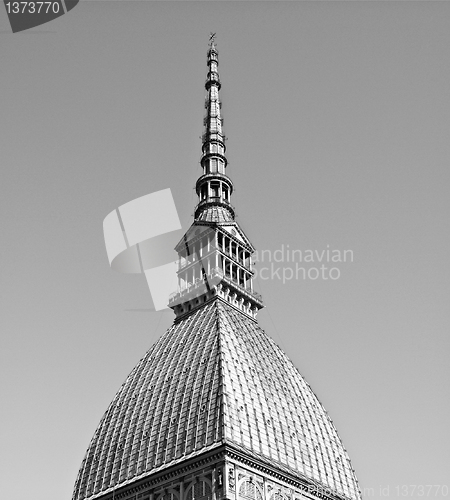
(214, 187)
(214, 254)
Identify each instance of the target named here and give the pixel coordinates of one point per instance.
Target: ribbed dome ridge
(215, 214)
(272, 412)
(167, 408)
(214, 377)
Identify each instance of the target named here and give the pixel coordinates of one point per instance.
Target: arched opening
(201, 490)
(169, 495)
(249, 491)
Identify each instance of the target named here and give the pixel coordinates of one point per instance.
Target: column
(213, 484)
(182, 490)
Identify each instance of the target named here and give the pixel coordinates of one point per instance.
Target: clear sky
(338, 119)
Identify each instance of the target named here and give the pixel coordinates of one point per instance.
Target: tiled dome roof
(215, 214)
(214, 377)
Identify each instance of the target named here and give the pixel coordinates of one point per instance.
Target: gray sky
(338, 119)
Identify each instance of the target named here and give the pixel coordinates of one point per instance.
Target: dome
(215, 214)
(215, 378)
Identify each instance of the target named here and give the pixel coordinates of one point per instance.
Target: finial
(212, 39)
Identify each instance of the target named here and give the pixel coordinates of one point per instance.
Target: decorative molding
(305, 487)
(231, 482)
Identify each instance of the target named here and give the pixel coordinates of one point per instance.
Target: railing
(223, 177)
(212, 77)
(233, 281)
(214, 199)
(213, 154)
(213, 132)
(213, 278)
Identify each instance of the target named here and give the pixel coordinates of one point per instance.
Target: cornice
(301, 483)
(166, 475)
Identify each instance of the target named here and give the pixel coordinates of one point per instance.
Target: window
(213, 166)
(227, 268)
(199, 491)
(215, 189)
(248, 490)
